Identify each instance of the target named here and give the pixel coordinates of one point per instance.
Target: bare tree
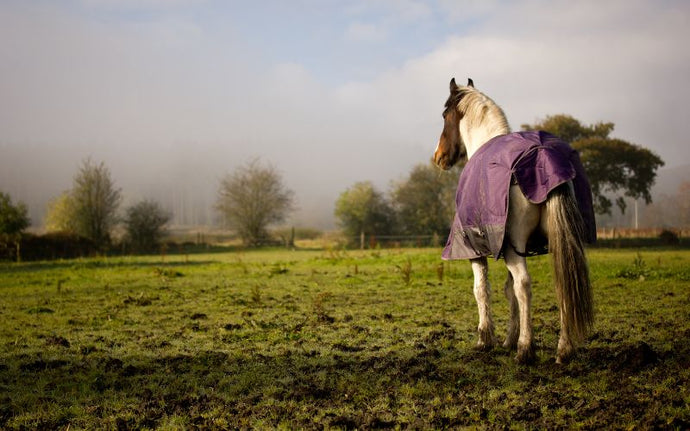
(251, 199)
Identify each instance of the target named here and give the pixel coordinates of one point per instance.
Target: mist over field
(174, 95)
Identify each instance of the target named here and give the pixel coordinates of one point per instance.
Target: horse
(471, 121)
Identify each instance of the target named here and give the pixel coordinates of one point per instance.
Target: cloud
(140, 4)
(362, 32)
(625, 64)
(391, 10)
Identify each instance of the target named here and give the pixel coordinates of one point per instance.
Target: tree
(93, 202)
(60, 214)
(361, 209)
(683, 200)
(13, 218)
(425, 201)
(670, 210)
(251, 199)
(614, 167)
(145, 222)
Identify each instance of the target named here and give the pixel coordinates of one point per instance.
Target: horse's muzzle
(445, 160)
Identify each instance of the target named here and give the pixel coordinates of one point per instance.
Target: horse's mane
(478, 110)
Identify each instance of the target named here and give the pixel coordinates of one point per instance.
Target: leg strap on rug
(518, 252)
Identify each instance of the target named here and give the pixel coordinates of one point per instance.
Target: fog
(174, 95)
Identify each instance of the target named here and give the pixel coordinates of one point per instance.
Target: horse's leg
(565, 345)
(482, 293)
(514, 319)
(523, 219)
(522, 286)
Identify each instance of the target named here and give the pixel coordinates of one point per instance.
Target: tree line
(89, 210)
(249, 200)
(255, 197)
(424, 204)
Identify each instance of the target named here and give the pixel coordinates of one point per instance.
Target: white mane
(482, 119)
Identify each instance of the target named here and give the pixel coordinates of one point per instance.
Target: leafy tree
(571, 129)
(145, 222)
(614, 167)
(60, 214)
(93, 202)
(13, 218)
(251, 199)
(425, 201)
(363, 209)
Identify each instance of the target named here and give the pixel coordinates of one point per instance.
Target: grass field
(332, 339)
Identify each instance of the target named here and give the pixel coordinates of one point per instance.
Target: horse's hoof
(563, 358)
(510, 345)
(486, 340)
(565, 352)
(483, 347)
(526, 356)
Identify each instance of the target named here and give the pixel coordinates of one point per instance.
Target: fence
(621, 232)
(371, 241)
(374, 241)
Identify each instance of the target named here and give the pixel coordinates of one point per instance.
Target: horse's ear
(453, 86)
(470, 83)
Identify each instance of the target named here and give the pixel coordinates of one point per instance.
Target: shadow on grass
(422, 386)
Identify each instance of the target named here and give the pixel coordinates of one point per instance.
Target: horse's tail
(571, 273)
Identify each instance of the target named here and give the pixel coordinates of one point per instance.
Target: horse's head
(450, 146)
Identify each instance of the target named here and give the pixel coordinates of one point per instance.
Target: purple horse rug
(538, 162)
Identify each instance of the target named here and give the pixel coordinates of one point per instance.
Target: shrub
(145, 224)
(54, 245)
(669, 237)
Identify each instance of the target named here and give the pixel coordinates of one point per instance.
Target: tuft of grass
(256, 294)
(405, 271)
(638, 270)
(440, 271)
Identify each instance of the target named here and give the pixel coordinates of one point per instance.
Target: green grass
(334, 339)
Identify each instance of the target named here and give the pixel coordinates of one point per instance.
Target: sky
(173, 95)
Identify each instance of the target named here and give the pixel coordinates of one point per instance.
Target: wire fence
(371, 241)
(667, 236)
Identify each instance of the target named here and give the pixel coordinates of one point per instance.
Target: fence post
(290, 243)
(361, 240)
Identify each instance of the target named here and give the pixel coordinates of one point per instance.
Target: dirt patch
(441, 334)
(40, 310)
(347, 348)
(635, 357)
(41, 365)
(141, 301)
(113, 364)
(57, 341)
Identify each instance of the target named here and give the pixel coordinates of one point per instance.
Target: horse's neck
(478, 132)
(476, 137)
